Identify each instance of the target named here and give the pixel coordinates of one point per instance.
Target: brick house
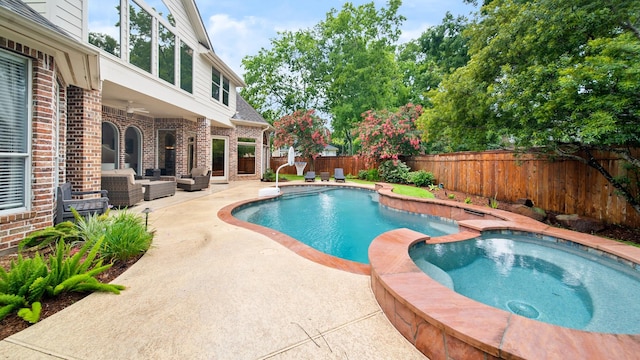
(85, 87)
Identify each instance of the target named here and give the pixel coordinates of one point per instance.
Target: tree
(438, 51)
(385, 135)
(305, 131)
(283, 79)
(343, 66)
(560, 78)
(360, 71)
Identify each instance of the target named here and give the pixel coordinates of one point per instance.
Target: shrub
(269, 175)
(394, 171)
(369, 175)
(65, 231)
(467, 200)
(493, 202)
(126, 237)
(421, 178)
(452, 196)
(30, 279)
(91, 228)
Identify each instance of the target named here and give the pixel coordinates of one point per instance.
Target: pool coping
(446, 325)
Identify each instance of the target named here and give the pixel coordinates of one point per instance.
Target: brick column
(203, 143)
(84, 138)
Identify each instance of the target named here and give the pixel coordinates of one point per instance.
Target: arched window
(133, 149)
(110, 136)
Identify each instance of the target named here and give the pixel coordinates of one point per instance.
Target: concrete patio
(210, 290)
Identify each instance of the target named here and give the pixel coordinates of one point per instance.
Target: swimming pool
(541, 280)
(440, 322)
(339, 221)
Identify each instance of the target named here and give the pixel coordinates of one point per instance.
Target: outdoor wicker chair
(198, 179)
(338, 175)
(122, 187)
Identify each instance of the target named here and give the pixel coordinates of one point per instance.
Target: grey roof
(24, 10)
(246, 112)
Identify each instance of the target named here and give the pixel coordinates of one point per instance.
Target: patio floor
(210, 290)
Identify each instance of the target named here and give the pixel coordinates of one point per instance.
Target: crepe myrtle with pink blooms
(305, 131)
(385, 135)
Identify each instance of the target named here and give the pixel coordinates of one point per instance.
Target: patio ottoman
(157, 189)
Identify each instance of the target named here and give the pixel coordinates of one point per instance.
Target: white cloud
(233, 39)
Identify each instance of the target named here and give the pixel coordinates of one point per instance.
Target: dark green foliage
(125, 238)
(125, 234)
(394, 171)
(65, 231)
(369, 175)
(421, 178)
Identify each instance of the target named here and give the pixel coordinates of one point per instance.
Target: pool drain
(523, 309)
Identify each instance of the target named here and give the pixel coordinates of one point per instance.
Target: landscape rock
(580, 223)
(532, 212)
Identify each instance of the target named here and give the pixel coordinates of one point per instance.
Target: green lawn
(397, 188)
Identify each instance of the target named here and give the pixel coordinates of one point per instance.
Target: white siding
(38, 5)
(67, 14)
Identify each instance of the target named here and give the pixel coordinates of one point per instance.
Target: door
(219, 156)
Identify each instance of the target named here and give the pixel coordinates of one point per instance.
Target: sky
(240, 28)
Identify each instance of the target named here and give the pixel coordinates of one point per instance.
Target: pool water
(537, 279)
(337, 221)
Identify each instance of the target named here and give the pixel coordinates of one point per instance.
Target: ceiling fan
(130, 109)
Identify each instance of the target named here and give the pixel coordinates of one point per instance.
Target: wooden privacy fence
(562, 186)
(350, 164)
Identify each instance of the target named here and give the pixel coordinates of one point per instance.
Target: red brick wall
(233, 135)
(203, 143)
(144, 124)
(149, 126)
(84, 138)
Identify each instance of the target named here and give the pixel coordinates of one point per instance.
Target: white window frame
(26, 188)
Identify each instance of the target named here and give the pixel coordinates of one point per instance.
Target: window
(166, 54)
(15, 133)
(110, 150)
(186, 67)
(246, 156)
(215, 84)
(219, 82)
(139, 37)
(225, 92)
(162, 10)
(157, 23)
(104, 25)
